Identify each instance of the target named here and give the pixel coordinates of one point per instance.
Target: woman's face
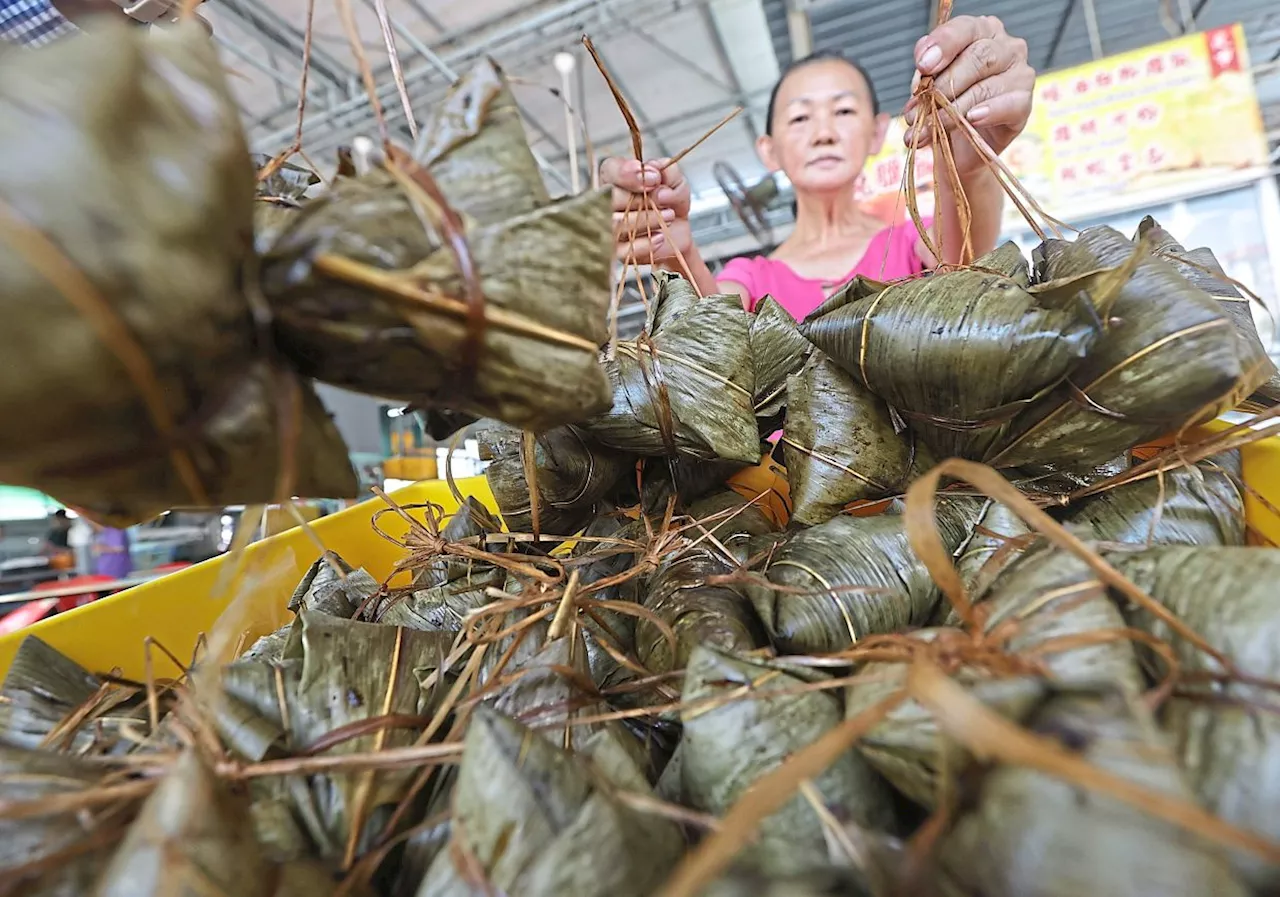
(823, 126)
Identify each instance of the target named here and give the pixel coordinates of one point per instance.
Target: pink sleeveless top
(890, 255)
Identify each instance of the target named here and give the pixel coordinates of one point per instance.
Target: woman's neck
(829, 220)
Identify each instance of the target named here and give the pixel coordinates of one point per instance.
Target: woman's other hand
(984, 71)
(637, 228)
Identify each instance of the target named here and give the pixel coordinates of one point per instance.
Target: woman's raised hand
(984, 71)
(637, 226)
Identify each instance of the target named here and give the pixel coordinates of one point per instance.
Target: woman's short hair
(820, 56)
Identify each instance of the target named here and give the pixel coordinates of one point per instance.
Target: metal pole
(386, 91)
(416, 44)
(244, 55)
(1188, 17)
(1091, 25)
(800, 31)
(322, 133)
(565, 63)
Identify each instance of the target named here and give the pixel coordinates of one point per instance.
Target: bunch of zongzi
(169, 393)
(1170, 355)
(686, 385)
(449, 278)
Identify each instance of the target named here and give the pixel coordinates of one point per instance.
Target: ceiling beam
(357, 106)
(264, 23)
(800, 29)
(427, 16)
(681, 60)
(709, 114)
(722, 56)
(1067, 7)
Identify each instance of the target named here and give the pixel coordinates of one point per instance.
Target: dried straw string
(922, 532)
(990, 736)
(393, 56)
(296, 147)
(352, 30)
(637, 146)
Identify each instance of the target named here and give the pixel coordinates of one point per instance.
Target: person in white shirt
(81, 541)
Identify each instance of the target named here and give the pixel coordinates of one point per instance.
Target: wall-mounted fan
(750, 203)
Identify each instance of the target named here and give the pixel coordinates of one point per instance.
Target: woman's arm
(984, 72)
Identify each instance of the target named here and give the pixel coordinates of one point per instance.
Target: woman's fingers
(629, 174)
(977, 64)
(657, 181)
(644, 250)
(635, 223)
(1008, 108)
(938, 49)
(982, 70)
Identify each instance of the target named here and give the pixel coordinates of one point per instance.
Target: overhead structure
(682, 63)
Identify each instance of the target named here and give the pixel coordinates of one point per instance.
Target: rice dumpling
(190, 838)
(1201, 268)
(369, 281)
(699, 613)
(1226, 734)
(573, 475)
(53, 854)
(907, 747)
(778, 351)
(1057, 482)
(825, 588)
(1201, 506)
(279, 195)
(1048, 595)
(998, 538)
(728, 746)
(683, 478)
(349, 672)
(180, 406)
(841, 444)
(685, 385)
(548, 688)
(1170, 355)
(532, 819)
(1034, 835)
(332, 586)
(42, 688)
(959, 354)
(443, 607)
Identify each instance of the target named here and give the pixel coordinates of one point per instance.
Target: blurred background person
(111, 552)
(80, 540)
(57, 544)
(35, 23)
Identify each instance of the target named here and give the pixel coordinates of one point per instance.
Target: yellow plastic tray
(175, 610)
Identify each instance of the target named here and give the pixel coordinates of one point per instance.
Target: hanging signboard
(1140, 123)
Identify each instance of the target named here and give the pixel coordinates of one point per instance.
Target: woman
(824, 123)
(111, 552)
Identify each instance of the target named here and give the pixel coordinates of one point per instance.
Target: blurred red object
(31, 612)
(67, 602)
(172, 567)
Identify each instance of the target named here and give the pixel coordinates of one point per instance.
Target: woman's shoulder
(745, 269)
